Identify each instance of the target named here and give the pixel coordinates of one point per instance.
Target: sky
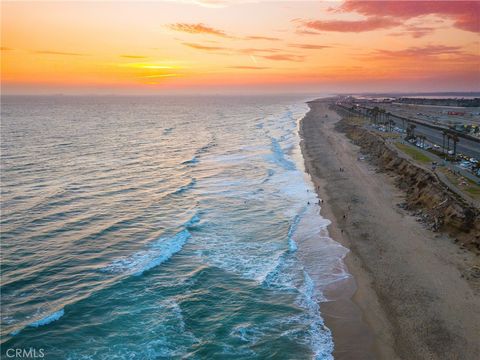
(228, 46)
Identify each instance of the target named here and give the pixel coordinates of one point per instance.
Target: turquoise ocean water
(161, 228)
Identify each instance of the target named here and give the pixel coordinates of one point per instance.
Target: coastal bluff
(413, 243)
(434, 204)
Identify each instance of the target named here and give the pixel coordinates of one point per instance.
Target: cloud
(267, 53)
(254, 51)
(307, 32)
(284, 57)
(6, 49)
(247, 51)
(309, 46)
(197, 29)
(385, 14)
(465, 14)
(414, 31)
(48, 52)
(421, 52)
(204, 47)
(208, 30)
(133, 56)
(433, 54)
(262, 38)
(368, 24)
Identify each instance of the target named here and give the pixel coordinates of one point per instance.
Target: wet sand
(408, 299)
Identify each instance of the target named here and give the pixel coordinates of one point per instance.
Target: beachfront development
(438, 137)
(413, 230)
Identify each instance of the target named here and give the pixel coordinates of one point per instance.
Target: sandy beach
(409, 298)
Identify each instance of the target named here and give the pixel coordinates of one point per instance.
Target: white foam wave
(157, 253)
(43, 321)
(291, 230)
(320, 336)
(278, 156)
(48, 319)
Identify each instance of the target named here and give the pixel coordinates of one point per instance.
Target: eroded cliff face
(427, 197)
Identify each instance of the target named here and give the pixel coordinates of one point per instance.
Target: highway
(433, 134)
(464, 146)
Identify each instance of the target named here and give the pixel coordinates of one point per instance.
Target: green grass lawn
(357, 120)
(414, 153)
(464, 184)
(390, 136)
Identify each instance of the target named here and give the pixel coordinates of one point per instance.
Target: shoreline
(352, 336)
(407, 298)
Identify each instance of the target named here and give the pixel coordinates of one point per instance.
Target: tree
(411, 131)
(455, 140)
(444, 135)
(413, 126)
(376, 112)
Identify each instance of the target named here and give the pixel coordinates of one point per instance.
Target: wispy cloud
(433, 55)
(302, 31)
(197, 29)
(3, 48)
(262, 38)
(284, 57)
(415, 52)
(414, 31)
(265, 53)
(309, 46)
(200, 28)
(204, 47)
(62, 53)
(253, 51)
(246, 51)
(368, 24)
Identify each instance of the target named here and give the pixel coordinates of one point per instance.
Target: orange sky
(239, 46)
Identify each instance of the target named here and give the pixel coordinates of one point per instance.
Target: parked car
(465, 165)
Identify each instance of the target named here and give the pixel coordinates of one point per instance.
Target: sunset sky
(239, 46)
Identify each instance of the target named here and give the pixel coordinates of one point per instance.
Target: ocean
(161, 228)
